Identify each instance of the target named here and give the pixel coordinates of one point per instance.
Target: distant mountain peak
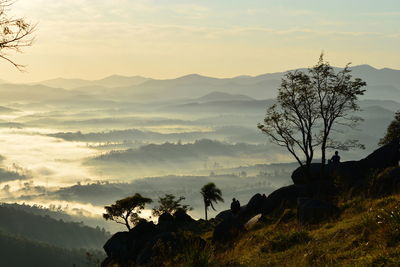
(222, 96)
(364, 67)
(118, 76)
(193, 77)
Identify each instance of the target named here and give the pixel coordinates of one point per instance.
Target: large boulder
(313, 211)
(166, 223)
(225, 215)
(139, 235)
(254, 206)
(228, 230)
(280, 199)
(118, 246)
(182, 218)
(285, 197)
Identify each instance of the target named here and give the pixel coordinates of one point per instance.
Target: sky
(92, 39)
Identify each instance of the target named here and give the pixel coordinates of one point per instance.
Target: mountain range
(383, 84)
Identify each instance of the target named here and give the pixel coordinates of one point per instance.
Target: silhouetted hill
(125, 135)
(17, 222)
(18, 251)
(170, 152)
(120, 81)
(223, 106)
(110, 82)
(387, 104)
(6, 175)
(375, 76)
(32, 93)
(220, 96)
(383, 84)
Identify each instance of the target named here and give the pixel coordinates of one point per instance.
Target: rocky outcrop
(228, 230)
(351, 173)
(118, 246)
(146, 241)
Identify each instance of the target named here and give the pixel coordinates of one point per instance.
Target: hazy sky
(168, 38)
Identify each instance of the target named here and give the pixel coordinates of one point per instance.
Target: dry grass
(357, 238)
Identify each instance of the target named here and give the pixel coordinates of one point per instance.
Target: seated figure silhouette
(335, 158)
(235, 206)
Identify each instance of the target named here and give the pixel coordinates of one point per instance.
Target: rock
(253, 207)
(256, 203)
(166, 223)
(285, 197)
(225, 215)
(228, 230)
(250, 224)
(384, 157)
(181, 217)
(312, 211)
(165, 218)
(144, 228)
(282, 198)
(118, 245)
(139, 235)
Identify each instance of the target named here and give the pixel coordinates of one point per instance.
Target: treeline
(124, 135)
(17, 222)
(200, 149)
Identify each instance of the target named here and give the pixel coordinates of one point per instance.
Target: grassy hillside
(366, 234)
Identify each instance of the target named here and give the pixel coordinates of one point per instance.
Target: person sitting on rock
(235, 206)
(335, 158)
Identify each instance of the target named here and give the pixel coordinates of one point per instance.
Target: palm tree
(210, 194)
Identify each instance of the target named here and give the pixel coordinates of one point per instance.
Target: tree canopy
(127, 210)
(169, 204)
(15, 33)
(309, 105)
(210, 194)
(393, 131)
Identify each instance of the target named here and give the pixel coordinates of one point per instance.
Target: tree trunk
(323, 159)
(205, 210)
(323, 154)
(127, 223)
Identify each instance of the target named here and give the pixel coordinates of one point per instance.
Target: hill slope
(17, 252)
(18, 222)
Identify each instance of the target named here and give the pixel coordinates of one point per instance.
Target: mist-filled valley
(71, 147)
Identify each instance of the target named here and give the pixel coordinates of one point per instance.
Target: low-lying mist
(81, 148)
